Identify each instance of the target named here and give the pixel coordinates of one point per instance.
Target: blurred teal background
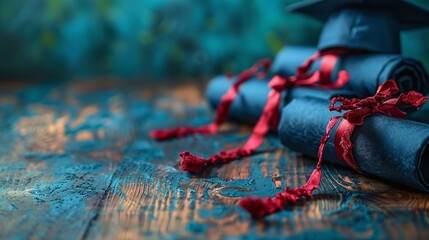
(153, 39)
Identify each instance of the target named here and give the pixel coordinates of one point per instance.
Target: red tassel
(257, 207)
(262, 207)
(192, 163)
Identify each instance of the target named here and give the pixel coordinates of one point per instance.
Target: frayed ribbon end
(192, 163)
(161, 134)
(255, 206)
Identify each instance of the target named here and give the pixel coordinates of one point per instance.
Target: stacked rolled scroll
(390, 148)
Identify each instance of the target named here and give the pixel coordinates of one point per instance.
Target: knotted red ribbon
(383, 102)
(259, 69)
(270, 115)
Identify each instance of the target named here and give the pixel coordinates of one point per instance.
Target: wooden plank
(60, 147)
(76, 162)
(151, 198)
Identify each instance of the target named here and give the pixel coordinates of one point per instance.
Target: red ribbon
(270, 114)
(259, 69)
(383, 102)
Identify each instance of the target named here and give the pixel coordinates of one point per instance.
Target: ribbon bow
(385, 101)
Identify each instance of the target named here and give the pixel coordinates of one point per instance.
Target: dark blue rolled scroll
(367, 71)
(390, 148)
(250, 101)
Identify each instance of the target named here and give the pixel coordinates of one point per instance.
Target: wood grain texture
(76, 162)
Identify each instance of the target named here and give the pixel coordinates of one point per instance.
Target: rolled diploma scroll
(252, 97)
(367, 71)
(386, 147)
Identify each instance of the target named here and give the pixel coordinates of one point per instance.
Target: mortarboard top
(372, 25)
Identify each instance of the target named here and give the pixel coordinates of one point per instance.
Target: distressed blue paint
(65, 180)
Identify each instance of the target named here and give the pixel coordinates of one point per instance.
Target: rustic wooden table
(76, 162)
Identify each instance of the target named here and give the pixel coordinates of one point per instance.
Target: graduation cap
(372, 25)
